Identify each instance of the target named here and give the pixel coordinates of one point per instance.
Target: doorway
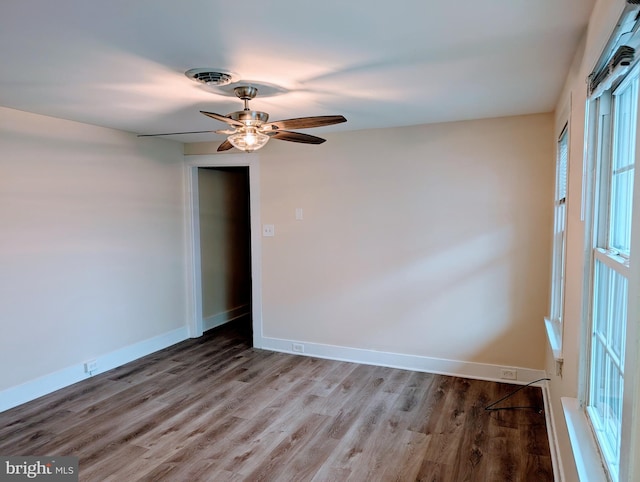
(225, 247)
(241, 297)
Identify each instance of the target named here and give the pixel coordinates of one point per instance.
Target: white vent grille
(209, 76)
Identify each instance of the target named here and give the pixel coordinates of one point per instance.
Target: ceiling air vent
(209, 76)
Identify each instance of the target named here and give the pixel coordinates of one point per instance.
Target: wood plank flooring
(215, 409)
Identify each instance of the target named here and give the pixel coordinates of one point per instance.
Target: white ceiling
(380, 63)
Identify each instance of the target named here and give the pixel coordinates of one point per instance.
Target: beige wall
(429, 240)
(91, 242)
(224, 240)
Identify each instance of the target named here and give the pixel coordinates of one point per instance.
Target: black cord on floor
(490, 407)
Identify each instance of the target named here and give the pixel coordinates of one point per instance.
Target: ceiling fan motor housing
(250, 117)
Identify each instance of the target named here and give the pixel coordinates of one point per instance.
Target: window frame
(600, 122)
(554, 322)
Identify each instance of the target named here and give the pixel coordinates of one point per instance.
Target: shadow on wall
(467, 302)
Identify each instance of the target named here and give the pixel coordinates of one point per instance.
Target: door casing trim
(192, 238)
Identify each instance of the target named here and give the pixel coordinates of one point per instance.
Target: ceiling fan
(250, 129)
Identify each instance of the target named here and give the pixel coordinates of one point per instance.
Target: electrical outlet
(90, 366)
(268, 230)
(297, 347)
(509, 373)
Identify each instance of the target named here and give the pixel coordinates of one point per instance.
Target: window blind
(619, 54)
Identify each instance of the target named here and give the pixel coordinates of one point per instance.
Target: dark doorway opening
(225, 248)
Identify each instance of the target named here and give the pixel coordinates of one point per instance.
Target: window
(554, 322)
(616, 112)
(621, 182)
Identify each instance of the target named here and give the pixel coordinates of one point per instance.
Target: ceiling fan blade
(296, 137)
(174, 133)
(225, 146)
(305, 122)
(222, 118)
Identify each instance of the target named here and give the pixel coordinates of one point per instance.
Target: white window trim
(581, 432)
(586, 454)
(589, 461)
(629, 463)
(554, 336)
(554, 325)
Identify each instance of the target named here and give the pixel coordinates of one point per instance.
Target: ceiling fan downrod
(246, 93)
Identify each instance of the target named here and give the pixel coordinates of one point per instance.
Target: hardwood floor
(215, 409)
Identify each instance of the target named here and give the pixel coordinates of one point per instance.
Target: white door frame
(192, 234)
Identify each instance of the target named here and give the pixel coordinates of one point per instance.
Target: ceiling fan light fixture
(249, 140)
(250, 129)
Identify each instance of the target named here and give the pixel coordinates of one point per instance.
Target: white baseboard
(14, 396)
(441, 366)
(225, 317)
(33, 389)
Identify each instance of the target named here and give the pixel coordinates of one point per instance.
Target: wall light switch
(268, 230)
(299, 214)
